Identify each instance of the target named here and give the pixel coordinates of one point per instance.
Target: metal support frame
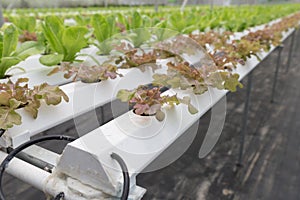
(245, 120)
(276, 73)
(290, 51)
(102, 115)
(297, 40)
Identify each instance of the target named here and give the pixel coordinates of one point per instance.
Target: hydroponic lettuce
(64, 42)
(88, 74)
(26, 26)
(149, 101)
(14, 96)
(139, 58)
(10, 53)
(104, 30)
(184, 76)
(137, 28)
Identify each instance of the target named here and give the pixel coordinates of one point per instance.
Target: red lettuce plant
(18, 95)
(184, 76)
(149, 101)
(88, 74)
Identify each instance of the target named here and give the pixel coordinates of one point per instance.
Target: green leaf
(104, 29)
(28, 49)
(6, 63)
(125, 95)
(216, 80)
(52, 30)
(232, 82)
(52, 59)
(51, 94)
(24, 23)
(14, 104)
(73, 40)
(193, 110)
(187, 101)
(224, 80)
(32, 108)
(171, 100)
(189, 29)
(9, 118)
(140, 36)
(200, 89)
(123, 20)
(136, 21)
(161, 31)
(10, 40)
(4, 98)
(101, 27)
(30, 23)
(174, 82)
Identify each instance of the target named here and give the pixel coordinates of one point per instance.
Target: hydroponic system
(160, 72)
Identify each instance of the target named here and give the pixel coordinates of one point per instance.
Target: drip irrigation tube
(60, 196)
(126, 184)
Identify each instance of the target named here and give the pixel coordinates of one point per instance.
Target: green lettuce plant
(10, 53)
(104, 30)
(26, 26)
(64, 42)
(137, 28)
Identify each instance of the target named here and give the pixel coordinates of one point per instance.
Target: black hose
(60, 196)
(2, 131)
(123, 166)
(25, 145)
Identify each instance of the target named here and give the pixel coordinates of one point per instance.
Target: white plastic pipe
(26, 172)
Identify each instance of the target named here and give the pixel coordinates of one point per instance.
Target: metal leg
(290, 52)
(276, 73)
(297, 40)
(245, 119)
(101, 115)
